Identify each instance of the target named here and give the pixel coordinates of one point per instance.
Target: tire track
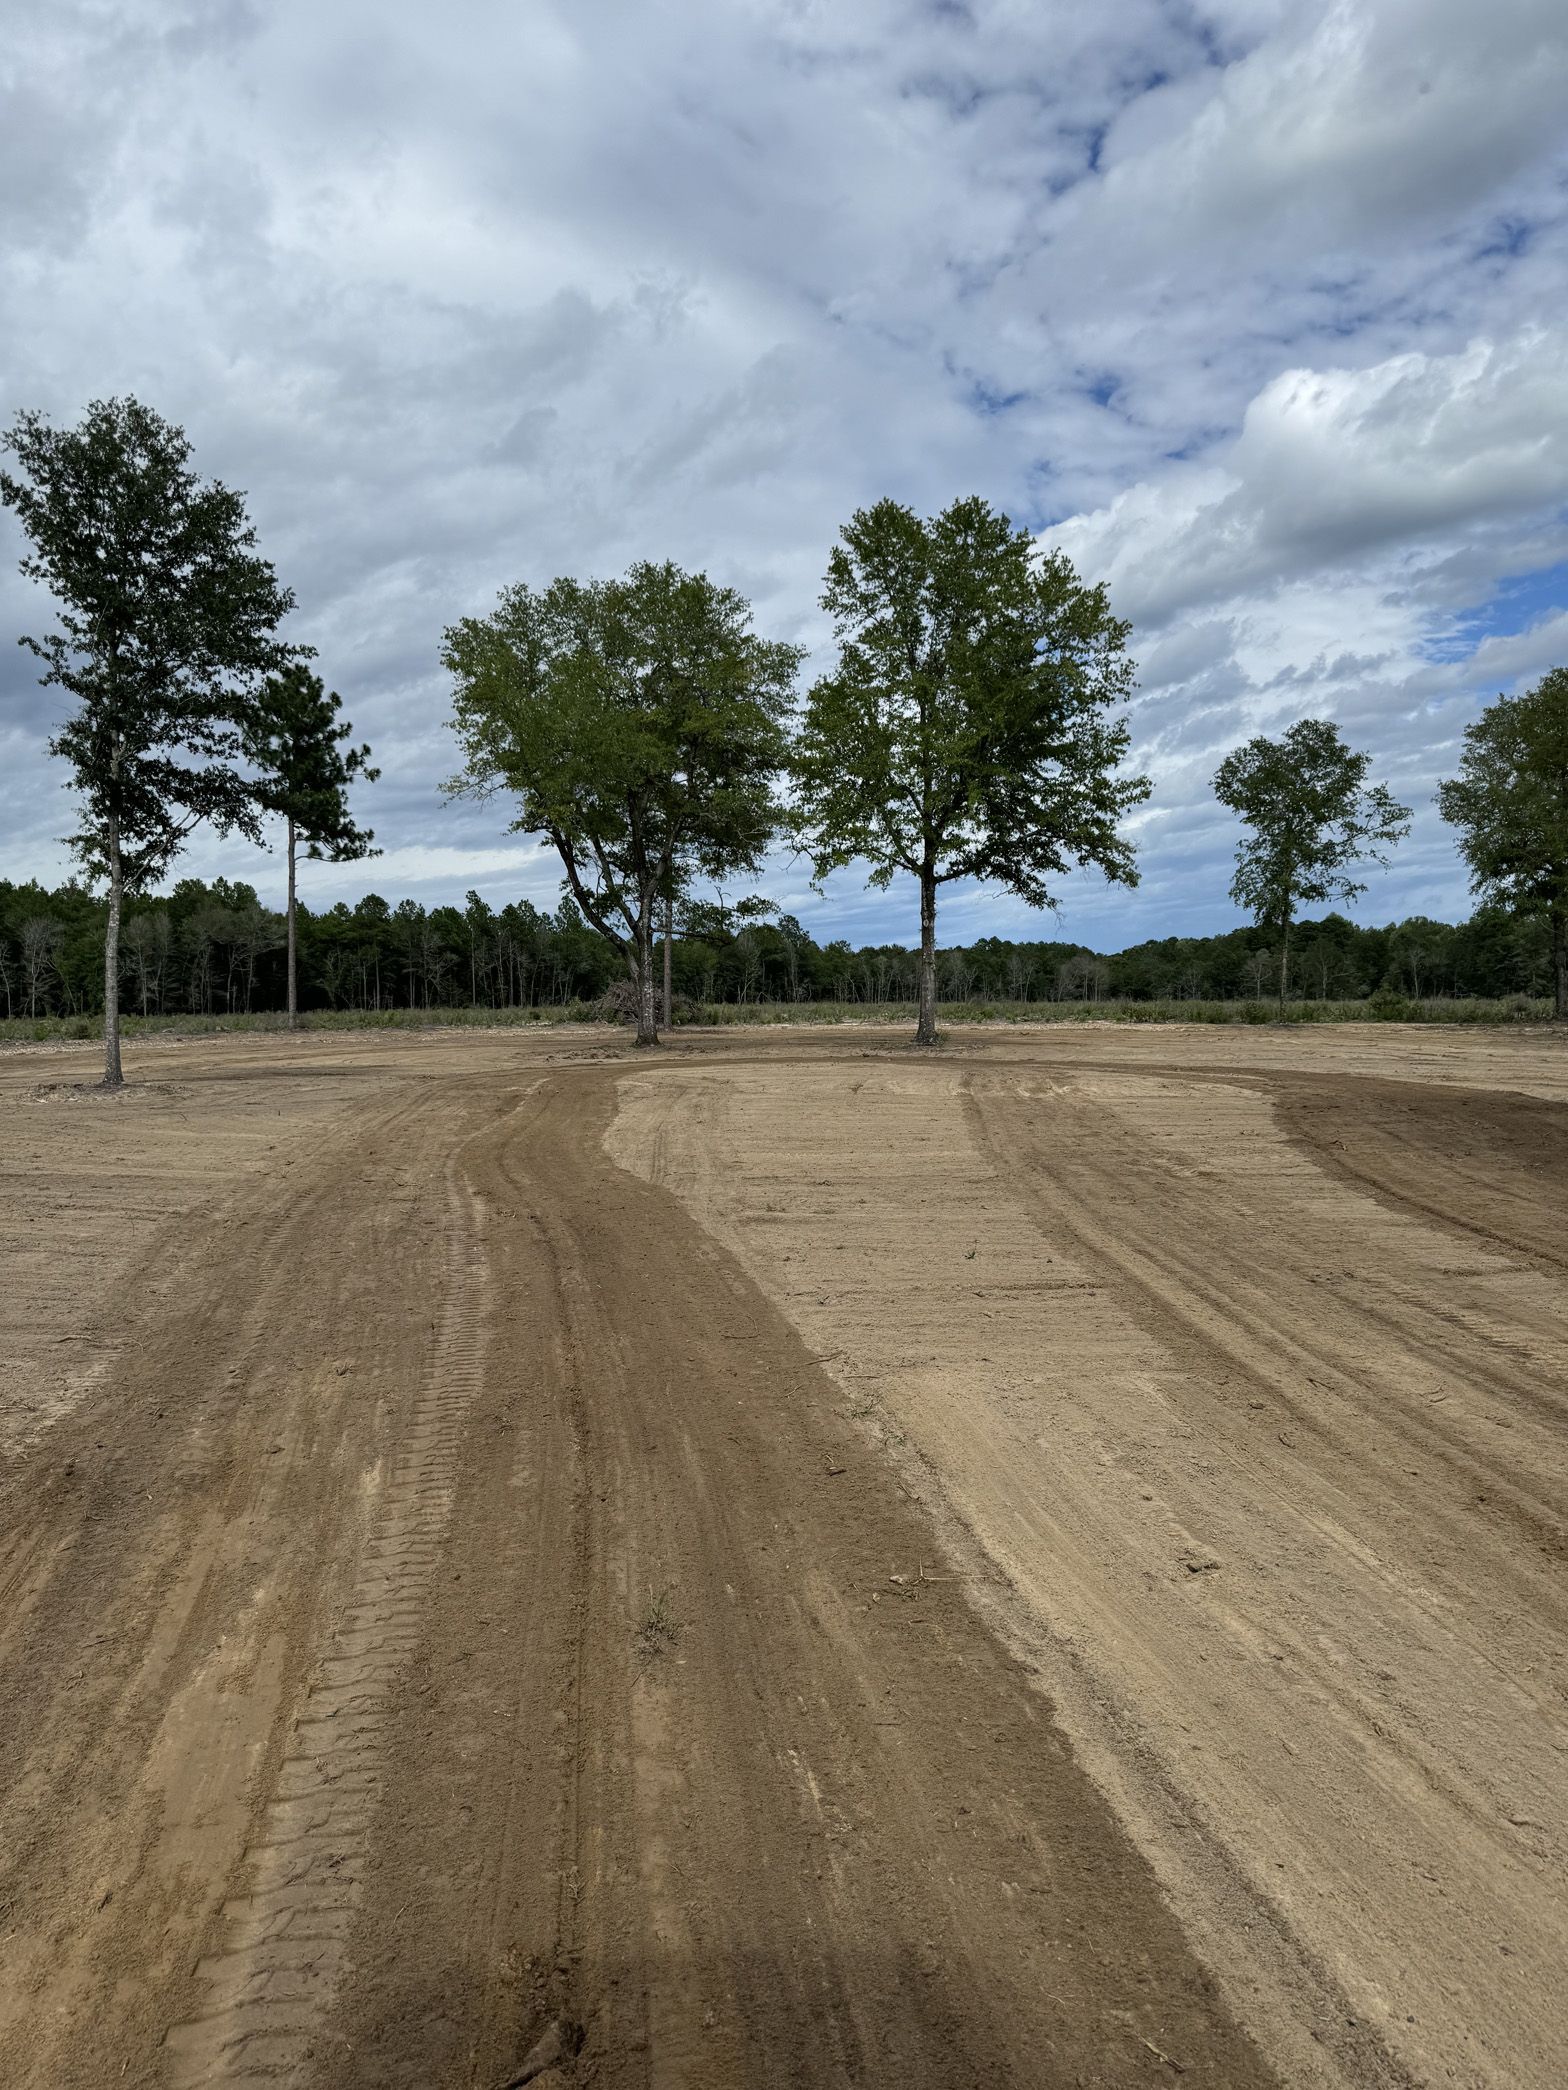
(284, 1953)
(779, 1882)
(1176, 1385)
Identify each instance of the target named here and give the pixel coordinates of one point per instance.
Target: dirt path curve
(470, 1608)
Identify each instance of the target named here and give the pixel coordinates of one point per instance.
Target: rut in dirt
(180, 1546)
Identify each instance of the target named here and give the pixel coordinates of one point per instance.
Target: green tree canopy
(639, 723)
(168, 619)
(1510, 805)
(1314, 820)
(293, 737)
(967, 729)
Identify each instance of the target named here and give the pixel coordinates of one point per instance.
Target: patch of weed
(660, 1629)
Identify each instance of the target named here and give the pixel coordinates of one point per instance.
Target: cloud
(1331, 466)
(527, 870)
(1338, 558)
(1357, 120)
(1254, 303)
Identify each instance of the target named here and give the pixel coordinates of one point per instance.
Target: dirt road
(786, 1563)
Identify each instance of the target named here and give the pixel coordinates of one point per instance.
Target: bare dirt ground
(786, 1561)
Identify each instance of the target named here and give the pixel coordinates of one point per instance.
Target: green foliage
(291, 734)
(639, 724)
(208, 954)
(1313, 816)
(1314, 821)
(167, 618)
(1510, 805)
(966, 731)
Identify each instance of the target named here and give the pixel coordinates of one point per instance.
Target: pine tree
(293, 737)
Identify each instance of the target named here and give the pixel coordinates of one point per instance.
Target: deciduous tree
(294, 738)
(1314, 820)
(1510, 804)
(169, 618)
(41, 939)
(967, 730)
(639, 723)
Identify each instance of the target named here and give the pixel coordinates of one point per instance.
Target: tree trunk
(1560, 960)
(113, 1076)
(293, 994)
(1284, 964)
(925, 1029)
(669, 938)
(647, 1004)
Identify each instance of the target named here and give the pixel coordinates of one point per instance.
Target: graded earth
(786, 1561)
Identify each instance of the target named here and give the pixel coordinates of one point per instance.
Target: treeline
(969, 730)
(212, 949)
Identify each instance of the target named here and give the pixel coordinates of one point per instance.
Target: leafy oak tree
(169, 619)
(640, 724)
(292, 736)
(1510, 804)
(967, 729)
(1314, 819)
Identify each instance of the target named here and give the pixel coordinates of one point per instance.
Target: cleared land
(1042, 1564)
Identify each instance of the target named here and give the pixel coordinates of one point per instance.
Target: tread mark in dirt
(286, 1936)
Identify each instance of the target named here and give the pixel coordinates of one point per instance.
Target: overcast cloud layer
(1260, 310)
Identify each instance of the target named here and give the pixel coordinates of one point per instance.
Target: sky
(1258, 309)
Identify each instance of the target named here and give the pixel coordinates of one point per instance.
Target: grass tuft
(660, 1628)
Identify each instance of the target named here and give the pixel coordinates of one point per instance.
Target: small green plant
(660, 1629)
(1387, 1005)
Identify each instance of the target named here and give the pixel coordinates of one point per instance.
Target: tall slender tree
(640, 724)
(1510, 804)
(293, 736)
(169, 619)
(1314, 820)
(967, 730)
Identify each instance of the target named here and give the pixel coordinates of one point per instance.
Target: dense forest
(215, 949)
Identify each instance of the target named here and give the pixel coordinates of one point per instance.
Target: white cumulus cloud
(1255, 303)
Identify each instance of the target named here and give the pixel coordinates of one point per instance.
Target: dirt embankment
(787, 1563)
